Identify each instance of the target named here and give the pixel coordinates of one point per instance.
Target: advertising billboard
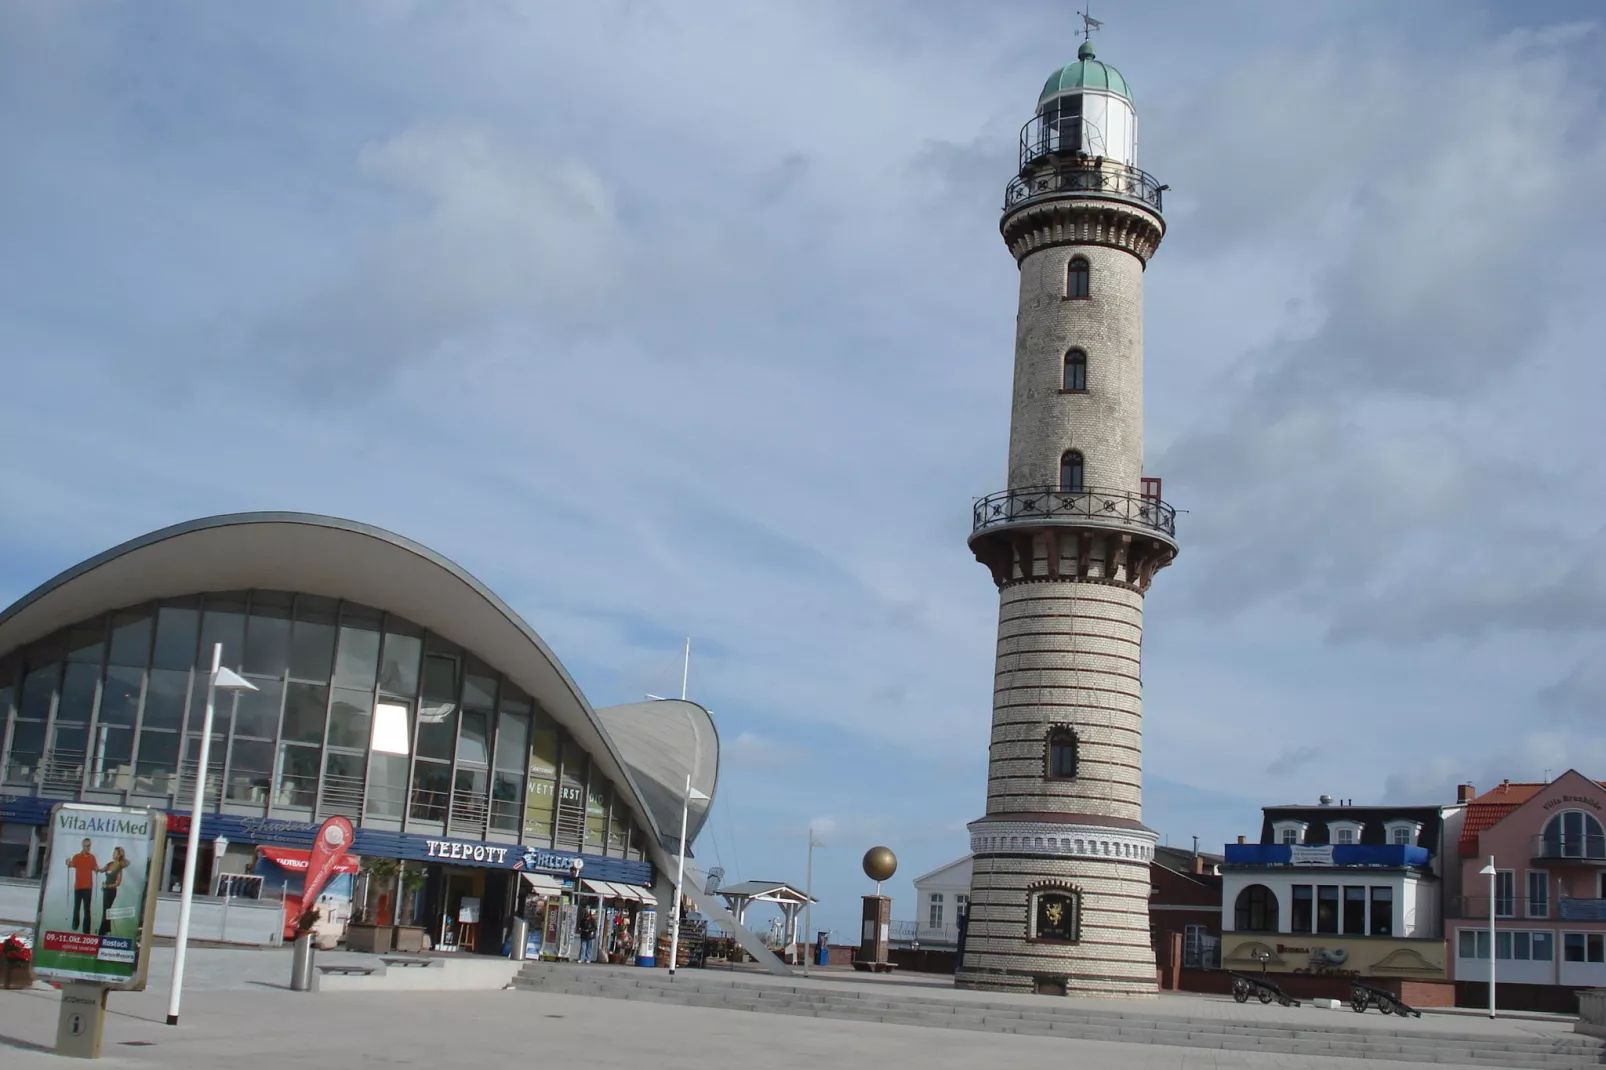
(97, 903)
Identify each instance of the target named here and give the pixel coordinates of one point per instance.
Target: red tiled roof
(1491, 808)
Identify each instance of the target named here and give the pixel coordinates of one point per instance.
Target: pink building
(1549, 854)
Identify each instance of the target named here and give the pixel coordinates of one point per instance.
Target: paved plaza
(238, 1013)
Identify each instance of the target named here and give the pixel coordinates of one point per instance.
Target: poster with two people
(97, 905)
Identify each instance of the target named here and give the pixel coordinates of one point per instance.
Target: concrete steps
(904, 1006)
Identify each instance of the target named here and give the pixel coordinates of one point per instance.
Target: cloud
(754, 752)
(1293, 759)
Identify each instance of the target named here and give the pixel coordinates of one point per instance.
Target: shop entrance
(468, 908)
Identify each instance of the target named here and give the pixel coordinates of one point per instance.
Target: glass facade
(111, 710)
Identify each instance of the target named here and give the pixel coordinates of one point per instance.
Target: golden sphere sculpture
(880, 864)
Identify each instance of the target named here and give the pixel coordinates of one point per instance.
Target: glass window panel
(387, 785)
(570, 830)
(131, 637)
(513, 700)
(1502, 944)
(111, 758)
(158, 759)
(513, 741)
(298, 775)
(256, 713)
(164, 699)
(1597, 947)
(1544, 947)
(1572, 947)
(1303, 906)
(250, 771)
(38, 687)
(472, 745)
(267, 633)
(1466, 944)
(304, 708)
(222, 705)
(78, 694)
(349, 714)
(1382, 911)
(431, 782)
(398, 667)
(357, 657)
(507, 799)
(312, 640)
(346, 766)
(479, 685)
(70, 742)
(541, 791)
(618, 830)
(393, 727)
(597, 815)
(178, 629)
(1521, 946)
(222, 621)
(1327, 908)
(86, 643)
(28, 737)
(437, 713)
(119, 698)
(470, 782)
(1354, 910)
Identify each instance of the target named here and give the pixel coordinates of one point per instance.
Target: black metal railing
(1085, 176)
(1582, 847)
(1090, 503)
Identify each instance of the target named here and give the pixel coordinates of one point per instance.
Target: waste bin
(822, 949)
(520, 939)
(301, 956)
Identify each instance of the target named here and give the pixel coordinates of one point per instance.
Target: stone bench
(348, 969)
(405, 961)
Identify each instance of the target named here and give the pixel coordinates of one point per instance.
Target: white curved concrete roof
(349, 560)
(661, 741)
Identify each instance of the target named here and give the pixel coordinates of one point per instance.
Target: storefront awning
(634, 893)
(542, 884)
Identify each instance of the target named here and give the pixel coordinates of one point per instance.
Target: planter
(373, 939)
(16, 974)
(410, 938)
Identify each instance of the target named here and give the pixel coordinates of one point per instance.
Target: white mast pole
(685, 670)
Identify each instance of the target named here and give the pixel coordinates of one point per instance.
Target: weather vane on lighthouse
(1089, 24)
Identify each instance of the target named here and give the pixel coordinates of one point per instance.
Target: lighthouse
(1059, 899)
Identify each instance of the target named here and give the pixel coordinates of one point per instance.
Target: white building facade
(941, 896)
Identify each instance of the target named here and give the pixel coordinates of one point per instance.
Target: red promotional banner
(334, 839)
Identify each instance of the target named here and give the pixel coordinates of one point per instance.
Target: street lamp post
(1490, 872)
(220, 679)
(680, 874)
(808, 907)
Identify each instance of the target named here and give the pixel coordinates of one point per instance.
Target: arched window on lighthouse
(1071, 471)
(1078, 277)
(1075, 372)
(1061, 754)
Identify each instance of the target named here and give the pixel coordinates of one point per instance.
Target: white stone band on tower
(1060, 886)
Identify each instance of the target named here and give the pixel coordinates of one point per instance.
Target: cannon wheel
(1383, 1006)
(1240, 991)
(1358, 1000)
(1266, 995)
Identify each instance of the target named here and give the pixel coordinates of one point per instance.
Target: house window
(1382, 911)
(1354, 910)
(1303, 907)
(1071, 471)
(1538, 893)
(1344, 836)
(1505, 893)
(1402, 833)
(1288, 832)
(1327, 909)
(1256, 910)
(935, 915)
(1075, 381)
(1077, 276)
(1056, 916)
(1290, 836)
(1573, 834)
(1061, 754)
(961, 906)
(1343, 833)
(1583, 947)
(1400, 836)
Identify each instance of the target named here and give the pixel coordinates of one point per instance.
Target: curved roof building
(392, 688)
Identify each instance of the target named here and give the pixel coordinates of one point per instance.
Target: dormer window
(1288, 832)
(1343, 833)
(1402, 833)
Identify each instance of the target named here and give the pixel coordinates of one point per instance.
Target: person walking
(108, 892)
(84, 866)
(588, 936)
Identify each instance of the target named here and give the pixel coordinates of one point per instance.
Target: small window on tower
(1077, 277)
(1071, 472)
(1061, 754)
(1075, 372)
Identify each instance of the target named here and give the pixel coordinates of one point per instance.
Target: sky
(692, 319)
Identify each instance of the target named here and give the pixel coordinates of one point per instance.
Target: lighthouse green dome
(1085, 73)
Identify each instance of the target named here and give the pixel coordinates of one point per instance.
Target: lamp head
(1488, 871)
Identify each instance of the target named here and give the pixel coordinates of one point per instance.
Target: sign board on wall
(1314, 855)
(1335, 956)
(97, 903)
